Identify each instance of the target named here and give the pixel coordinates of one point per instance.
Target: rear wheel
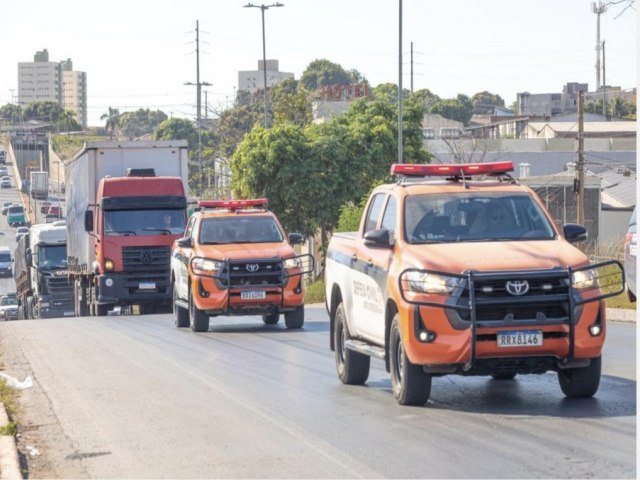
(180, 315)
(295, 319)
(101, 310)
(198, 319)
(271, 318)
(82, 308)
(352, 367)
(581, 382)
(411, 385)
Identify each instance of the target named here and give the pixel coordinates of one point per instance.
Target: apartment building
(43, 80)
(253, 80)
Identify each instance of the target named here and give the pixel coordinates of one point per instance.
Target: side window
(374, 213)
(389, 218)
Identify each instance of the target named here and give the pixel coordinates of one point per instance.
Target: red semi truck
(126, 204)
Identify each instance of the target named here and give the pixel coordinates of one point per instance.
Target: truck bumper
(50, 306)
(125, 288)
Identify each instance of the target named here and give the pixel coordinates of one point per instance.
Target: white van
(6, 263)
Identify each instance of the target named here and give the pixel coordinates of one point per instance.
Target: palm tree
(66, 118)
(111, 117)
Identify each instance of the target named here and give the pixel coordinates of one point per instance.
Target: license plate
(520, 338)
(147, 285)
(253, 295)
(69, 313)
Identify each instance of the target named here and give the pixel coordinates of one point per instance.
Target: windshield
(240, 230)
(15, 210)
(9, 300)
(50, 257)
(464, 218)
(5, 257)
(144, 222)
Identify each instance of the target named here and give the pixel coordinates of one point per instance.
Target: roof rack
(453, 171)
(234, 204)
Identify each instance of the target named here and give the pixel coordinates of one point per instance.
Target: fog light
(423, 336)
(595, 330)
(109, 282)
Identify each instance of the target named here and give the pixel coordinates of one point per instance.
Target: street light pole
(264, 55)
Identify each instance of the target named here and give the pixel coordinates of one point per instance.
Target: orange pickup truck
(465, 274)
(236, 260)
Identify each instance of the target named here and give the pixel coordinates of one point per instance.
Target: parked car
(21, 232)
(5, 207)
(9, 307)
(54, 213)
(630, 253)
(3, 171)
(5, 182)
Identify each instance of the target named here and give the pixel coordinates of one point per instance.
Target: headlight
(425, 282)
(205, 266)
(586, 279)
(108, 264)
(295, 262)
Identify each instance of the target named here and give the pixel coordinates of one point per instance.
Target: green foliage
(141, 122)
(44, 111)
(315, 292)
(322, 72)
(350, 215)
(487, 98)
(459, 109)
(426, 98)
(290, 103)
(177, 129)
(8, 397)
(11, 113)
(111, 121)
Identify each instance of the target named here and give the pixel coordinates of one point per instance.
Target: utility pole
(604, 86)
(580, 165)
(411, 68)
(198, 85)
(400, 121)
(598, 9)
(264, 55)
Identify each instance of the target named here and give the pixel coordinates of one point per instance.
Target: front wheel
(198, 319)
(295, 319)
(581, 382)
(411, 385)
(353, 367)
(271, 318)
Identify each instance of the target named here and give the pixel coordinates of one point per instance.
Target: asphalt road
(134, 397)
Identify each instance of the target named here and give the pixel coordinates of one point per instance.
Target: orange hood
(486, 256)
(240, 251)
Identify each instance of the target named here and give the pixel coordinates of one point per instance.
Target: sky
(140, 53)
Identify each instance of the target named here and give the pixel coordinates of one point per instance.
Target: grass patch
(10, 429)
(620, 301)
(8, 397)
(314, 292)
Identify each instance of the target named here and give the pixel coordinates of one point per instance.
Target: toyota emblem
(517, 287)
(252, 267)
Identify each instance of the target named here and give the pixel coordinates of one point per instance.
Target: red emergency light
(451, 169)
(234, 204)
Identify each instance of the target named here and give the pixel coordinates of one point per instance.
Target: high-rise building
(42, 80)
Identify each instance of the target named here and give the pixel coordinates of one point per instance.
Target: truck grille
(60, 292)
(252, 273)
(146, 259)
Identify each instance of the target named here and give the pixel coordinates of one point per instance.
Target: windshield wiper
(165, 231)
(124, 233)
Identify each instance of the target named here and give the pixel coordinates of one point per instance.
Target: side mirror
(88, 221)
(185, 242)
(574, 233)
(296, 239)
(382, 238)
(29, 257)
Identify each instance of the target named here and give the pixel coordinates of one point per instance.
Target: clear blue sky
(140, 53)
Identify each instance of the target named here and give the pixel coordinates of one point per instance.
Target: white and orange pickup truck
(235, 259)
(465, 273)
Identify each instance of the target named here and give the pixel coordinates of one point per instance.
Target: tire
(503, 376)
(180, 315)
(101, 310)
(410, 384)
(271, 318)
(581, 382)
(198, 320)
(352, 367)
(81, 300)
(295, 319)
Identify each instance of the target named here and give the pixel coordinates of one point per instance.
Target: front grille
(146, 259)
(249, 273)
(60, 292)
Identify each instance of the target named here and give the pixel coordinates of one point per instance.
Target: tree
(141, 122)
(177, 129)
(111, 124)
(459, 109)
(11, 113)
(290, 103)
(486, 98)
(322, 72)
(426, 97)
(68, 119)
(44, 111)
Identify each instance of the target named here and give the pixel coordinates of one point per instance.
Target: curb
(9, 462)
(621, 315)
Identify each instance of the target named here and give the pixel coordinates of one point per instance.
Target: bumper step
(365, 348)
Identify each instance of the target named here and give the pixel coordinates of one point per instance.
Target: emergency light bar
(234, 204)
(451, 169)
